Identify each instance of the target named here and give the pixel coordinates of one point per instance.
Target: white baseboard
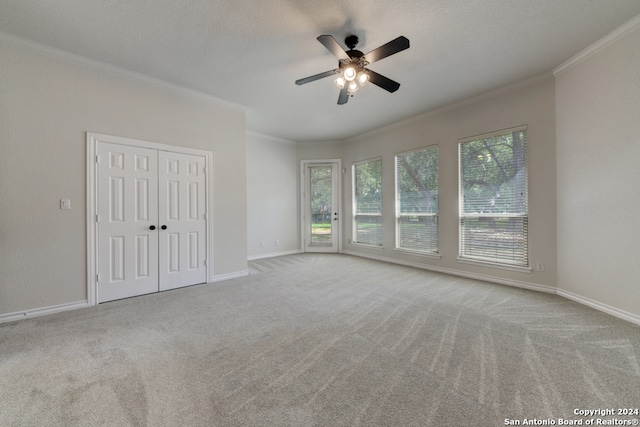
(228, 276)
(273, 254)
(621, 314)
(43, 311)
(36, 312)
(470, 275)
(624, 315)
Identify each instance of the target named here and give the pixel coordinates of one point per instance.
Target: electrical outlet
(277, 242)
(540, 266)
(262, 244)
(65, 204)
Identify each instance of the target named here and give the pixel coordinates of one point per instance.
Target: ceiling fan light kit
(349, 73)
(352, 71)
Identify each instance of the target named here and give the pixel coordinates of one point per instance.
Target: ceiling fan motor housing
(351, 41)
(356, 58)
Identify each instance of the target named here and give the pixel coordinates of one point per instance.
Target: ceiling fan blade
(344, 95)
(332, 46)
(317, 76)
(393, 47)
(382, 81)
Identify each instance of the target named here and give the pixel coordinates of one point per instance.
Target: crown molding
(485, 96)
(118, 71)
(269, 137)
(619, 32)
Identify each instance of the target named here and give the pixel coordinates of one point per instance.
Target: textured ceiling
(250, 52)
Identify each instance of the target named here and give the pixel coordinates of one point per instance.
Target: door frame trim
(303, 168)
(91, 198)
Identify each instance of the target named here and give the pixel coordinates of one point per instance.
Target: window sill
(367, 246)
(418, 253)
(495, 265)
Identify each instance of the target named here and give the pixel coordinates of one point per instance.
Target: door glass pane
(320, 199)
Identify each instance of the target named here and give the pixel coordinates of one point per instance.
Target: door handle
(164, 227)
(152, 227)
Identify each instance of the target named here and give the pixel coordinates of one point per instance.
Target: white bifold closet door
(151, 221)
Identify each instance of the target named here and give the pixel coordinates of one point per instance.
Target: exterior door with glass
(321, 206)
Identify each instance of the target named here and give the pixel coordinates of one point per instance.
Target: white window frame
(468, 259)
(399, 214)
(355, 215)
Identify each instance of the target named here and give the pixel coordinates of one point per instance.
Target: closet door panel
(182, 217)
(127, 211)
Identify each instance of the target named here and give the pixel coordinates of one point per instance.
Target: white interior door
(182, 216)
(127, 208)
(151, 220)
(321, 206)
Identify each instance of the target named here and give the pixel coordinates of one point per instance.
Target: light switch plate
(65, 204)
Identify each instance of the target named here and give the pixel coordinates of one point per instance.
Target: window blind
(417, 200)
(493, 198)
(367, 202)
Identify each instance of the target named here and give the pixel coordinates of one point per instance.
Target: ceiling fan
(352, 65)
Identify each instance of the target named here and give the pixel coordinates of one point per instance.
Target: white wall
(598, 158)
(528, 103)
(47, 104)
(313, 150)
(272, 200)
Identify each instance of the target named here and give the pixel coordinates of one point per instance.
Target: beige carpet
(326, 340)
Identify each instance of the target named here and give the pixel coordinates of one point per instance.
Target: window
(417, 200)
(367, 202)
(493, 198)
